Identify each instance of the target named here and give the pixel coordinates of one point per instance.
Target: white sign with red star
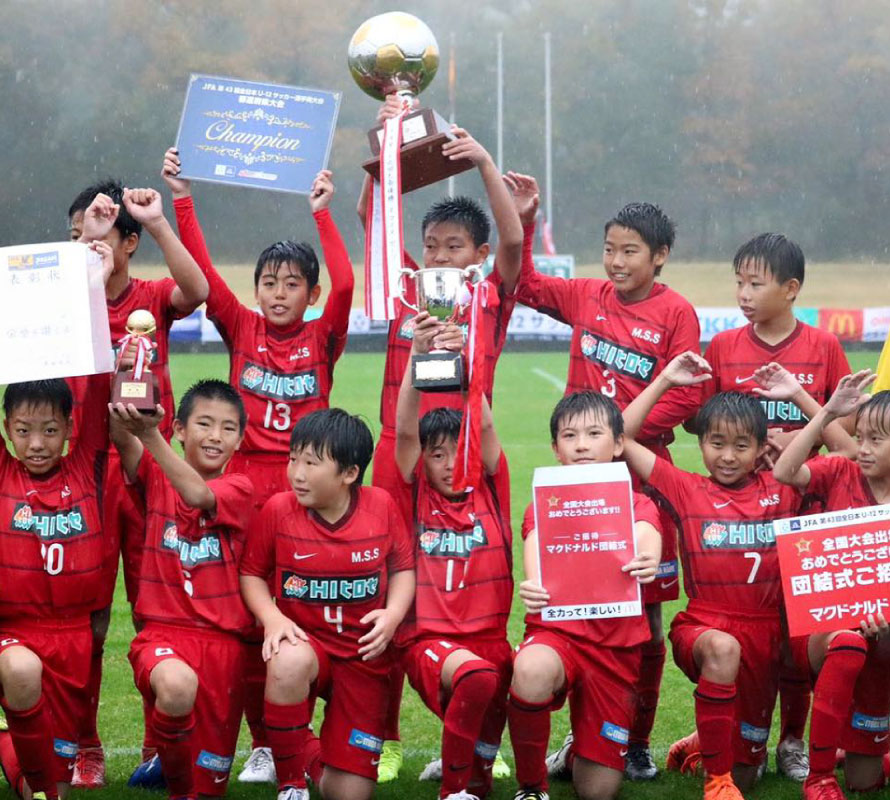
(835, 568)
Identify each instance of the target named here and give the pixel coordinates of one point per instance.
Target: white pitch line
(551, 379)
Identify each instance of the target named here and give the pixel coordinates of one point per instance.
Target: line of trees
(736, 116)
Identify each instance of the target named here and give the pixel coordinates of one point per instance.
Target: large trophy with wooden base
(397, 53)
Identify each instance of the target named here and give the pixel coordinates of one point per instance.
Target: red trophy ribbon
(468, 462)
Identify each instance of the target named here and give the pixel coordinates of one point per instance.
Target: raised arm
(339, 302)
(491, 445)
(526, 199)
(182, 476)
(849, 395)
(191, 290)
(509, 252)
(222, 304)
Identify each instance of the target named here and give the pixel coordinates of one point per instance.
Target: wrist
(180, 194)
(157, 226)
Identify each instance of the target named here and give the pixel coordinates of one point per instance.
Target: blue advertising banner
(255, 134)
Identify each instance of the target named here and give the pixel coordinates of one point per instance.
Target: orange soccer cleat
(721, 787)
(822, 787)
(684, 756)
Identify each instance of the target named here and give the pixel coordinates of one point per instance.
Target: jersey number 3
(277, 416)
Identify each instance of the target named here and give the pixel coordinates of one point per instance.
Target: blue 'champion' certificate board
(255, 134)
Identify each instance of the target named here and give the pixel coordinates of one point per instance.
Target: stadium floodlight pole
(548, 135)
(500, 102)
(452, 92)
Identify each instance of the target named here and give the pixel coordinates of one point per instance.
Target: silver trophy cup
(443, 293)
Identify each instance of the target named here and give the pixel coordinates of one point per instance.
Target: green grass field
(528, 385)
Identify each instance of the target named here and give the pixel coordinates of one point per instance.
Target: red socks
(530, 734)
(312, 758)
(832, 698)
(394, 707)
(89, 735)
(648, 689)
(715, 720)
(174, 741)
(286, 729)
(472, 689)
(32, 738)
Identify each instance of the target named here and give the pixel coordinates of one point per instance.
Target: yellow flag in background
(883, 380)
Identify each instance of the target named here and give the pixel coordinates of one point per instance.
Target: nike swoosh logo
(600, 318)
(623, 752)
(261, 349)
(722, 505)
(883, 738)
(739, 380)
(220, 778)
(758, 749)
(375, 762)
(71, 766)
(668, 584)
(298, 557)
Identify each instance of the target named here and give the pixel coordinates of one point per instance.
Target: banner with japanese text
(835, 568)
(53, 314)
(262, 135)
(585, 525)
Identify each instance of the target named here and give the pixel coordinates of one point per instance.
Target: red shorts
(356, 696)
(65, 650)
(666, 586)
(267, 473)
(386, 474)
(218, 661)
(760, 635)
(600, 685)
(422, 661)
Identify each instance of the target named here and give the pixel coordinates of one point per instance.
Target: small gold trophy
(137, 384)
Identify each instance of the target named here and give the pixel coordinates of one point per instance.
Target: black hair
(124, 223)
(876, 411)
(775, 252)
(300, 254)
(655, 227)
(54, 393)
(334, 433)
(463, 211)
(579, 403)
(744, 411)
(438, 426)
(211, 389)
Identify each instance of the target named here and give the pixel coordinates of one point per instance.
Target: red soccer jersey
(814, 357)
(189, 572)
(617, 347)
(282, 374)
(51, 540)
(327, 577)
(153, 296)
(839, 483)
(727, 541)
(464, 557)
(622, 632)
(400, 336)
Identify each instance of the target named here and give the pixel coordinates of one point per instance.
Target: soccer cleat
(639, 766)
(822, 787)
(148, 775)
(792, 759)
(721, 787)
(558, 761)
(500, 769)
(390, 761)
(259, 767)
(293, 793)
(432, 771)
(684, 755)
(89, 768)
(463, 794)
(531, 794)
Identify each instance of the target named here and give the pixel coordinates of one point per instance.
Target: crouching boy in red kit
(453, 644)
(187, 657)
(596, 663)
(342, 567)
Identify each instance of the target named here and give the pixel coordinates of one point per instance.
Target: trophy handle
(474, 270)
(404, 272)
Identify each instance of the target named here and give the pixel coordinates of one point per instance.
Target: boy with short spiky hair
(340, 563)
(624, 331)
(108, 212)
(187, 656)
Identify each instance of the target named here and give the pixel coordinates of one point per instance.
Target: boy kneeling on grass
(341, 565)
